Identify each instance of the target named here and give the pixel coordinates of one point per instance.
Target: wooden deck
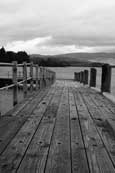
(63, 129)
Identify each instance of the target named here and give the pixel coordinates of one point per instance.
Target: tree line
(49, 61)
(9, 56)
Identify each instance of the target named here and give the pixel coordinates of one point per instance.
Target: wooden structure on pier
(40, 76)
(62, 128)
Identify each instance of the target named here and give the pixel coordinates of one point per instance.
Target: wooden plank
(103, 127)
(36, 155)
(9, 126)
(11, 157)
(19, 107)
(98, 158)
(107, 103)
(59, 159)
(31, 105)
(79, 158)
(105, 111)
(101, 102)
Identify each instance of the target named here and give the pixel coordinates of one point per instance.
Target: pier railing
(27, 77)
(89, 77)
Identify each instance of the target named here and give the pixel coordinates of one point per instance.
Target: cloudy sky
(57, 26)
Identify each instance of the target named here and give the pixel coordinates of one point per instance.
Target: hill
(73, 59)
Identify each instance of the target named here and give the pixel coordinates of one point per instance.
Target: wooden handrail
(10, 64)
(39, 78)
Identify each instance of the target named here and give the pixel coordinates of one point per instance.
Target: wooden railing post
(85, 77)
(106, 78)
(75, 76)
(37, 77)
(47, 77)
(31, 75)
(15, 88)
(44, 70)
(41, 77)
(25, 79)
(93, 73)
(81, 76)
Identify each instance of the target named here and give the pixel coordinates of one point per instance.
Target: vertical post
(82, 76)
(25, 79)
(106, 78)
(93, 73)
(74, 76)
(15, 88)
(86, 77)
(31, 75)
(44, 76)
(41, 77)
(36, 77)
(78, 77)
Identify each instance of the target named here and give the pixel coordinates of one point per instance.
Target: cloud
(43, 45)
(71, 25)
(29, 45)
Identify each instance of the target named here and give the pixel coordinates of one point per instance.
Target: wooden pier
(65, 128)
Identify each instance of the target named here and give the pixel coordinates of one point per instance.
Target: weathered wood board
(65, 128)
